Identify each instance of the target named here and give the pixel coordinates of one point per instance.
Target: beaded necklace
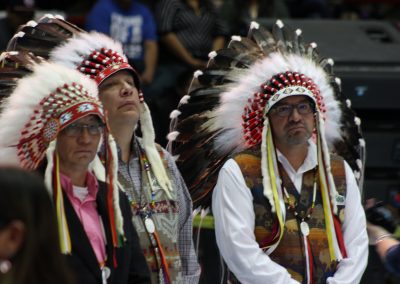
(292, 205)
(302, 218)
(146, 211)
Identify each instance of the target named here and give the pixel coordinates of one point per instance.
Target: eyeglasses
(74, 129)
(286, 110)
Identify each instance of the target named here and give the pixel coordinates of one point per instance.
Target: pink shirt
(87, 213)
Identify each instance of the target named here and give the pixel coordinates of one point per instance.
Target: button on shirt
(83, 200)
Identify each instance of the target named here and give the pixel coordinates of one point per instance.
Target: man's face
(77, 144)
(120, 98)
(292, 121)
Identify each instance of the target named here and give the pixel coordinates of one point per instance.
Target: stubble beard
(298, 138)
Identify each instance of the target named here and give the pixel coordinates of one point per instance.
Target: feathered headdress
(42, 104)
(225, 112)
(95, 55)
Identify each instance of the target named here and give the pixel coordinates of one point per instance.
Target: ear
(13, 238)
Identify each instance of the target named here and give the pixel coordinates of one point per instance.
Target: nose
(84, 136)
(295, 115)
(127, 90)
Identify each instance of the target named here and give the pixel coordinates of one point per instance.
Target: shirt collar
(91, 183)
(309, 162)
(133, 141)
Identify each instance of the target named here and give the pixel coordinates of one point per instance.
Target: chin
(297, 139)
(127, 117)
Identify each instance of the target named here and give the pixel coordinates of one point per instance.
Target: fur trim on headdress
(151, 151)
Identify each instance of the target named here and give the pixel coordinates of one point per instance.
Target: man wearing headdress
(287, 211)
(53, 122)
(267, 115)
(159, 199)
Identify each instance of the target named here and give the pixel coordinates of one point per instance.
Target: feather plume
(41, 37)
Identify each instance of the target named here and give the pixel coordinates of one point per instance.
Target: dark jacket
(131, 264)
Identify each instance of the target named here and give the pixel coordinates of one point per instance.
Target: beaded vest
(290, 252)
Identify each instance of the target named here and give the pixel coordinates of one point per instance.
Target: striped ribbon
(65, 239)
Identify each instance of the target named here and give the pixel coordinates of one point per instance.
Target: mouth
(127, 105)
(297, 127)
(87, 152)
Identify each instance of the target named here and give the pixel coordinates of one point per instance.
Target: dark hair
(24, 197)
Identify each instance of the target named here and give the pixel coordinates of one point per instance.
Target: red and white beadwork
(95, 55)
(102, 63)
(280, 86)
(62, 107)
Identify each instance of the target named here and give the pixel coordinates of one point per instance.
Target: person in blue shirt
(132, 24)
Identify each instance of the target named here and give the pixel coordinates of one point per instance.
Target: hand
(374, 232)
(197, 63)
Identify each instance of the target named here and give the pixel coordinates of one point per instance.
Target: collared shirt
(232, 205)
(132, 172)
(86, 210)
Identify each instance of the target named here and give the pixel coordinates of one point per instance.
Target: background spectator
(29, 246)
(238, 19)
(188, 30)
(132, 24)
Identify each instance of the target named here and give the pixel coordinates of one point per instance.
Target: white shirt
(232, 205)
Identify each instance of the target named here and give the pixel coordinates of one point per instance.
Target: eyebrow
(299, 102)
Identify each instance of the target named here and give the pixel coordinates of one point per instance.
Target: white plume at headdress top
(18, 108)
(75, 50)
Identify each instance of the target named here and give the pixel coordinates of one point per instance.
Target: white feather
(359, 163)
(75, 50)
(197, 73)
(211, 55)
(151, 150)
(279, 23)
(184, 100)
(172, 135)
(174, 114)
(254, 25)
(31, 23)
(236, 38)
(48, 173)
